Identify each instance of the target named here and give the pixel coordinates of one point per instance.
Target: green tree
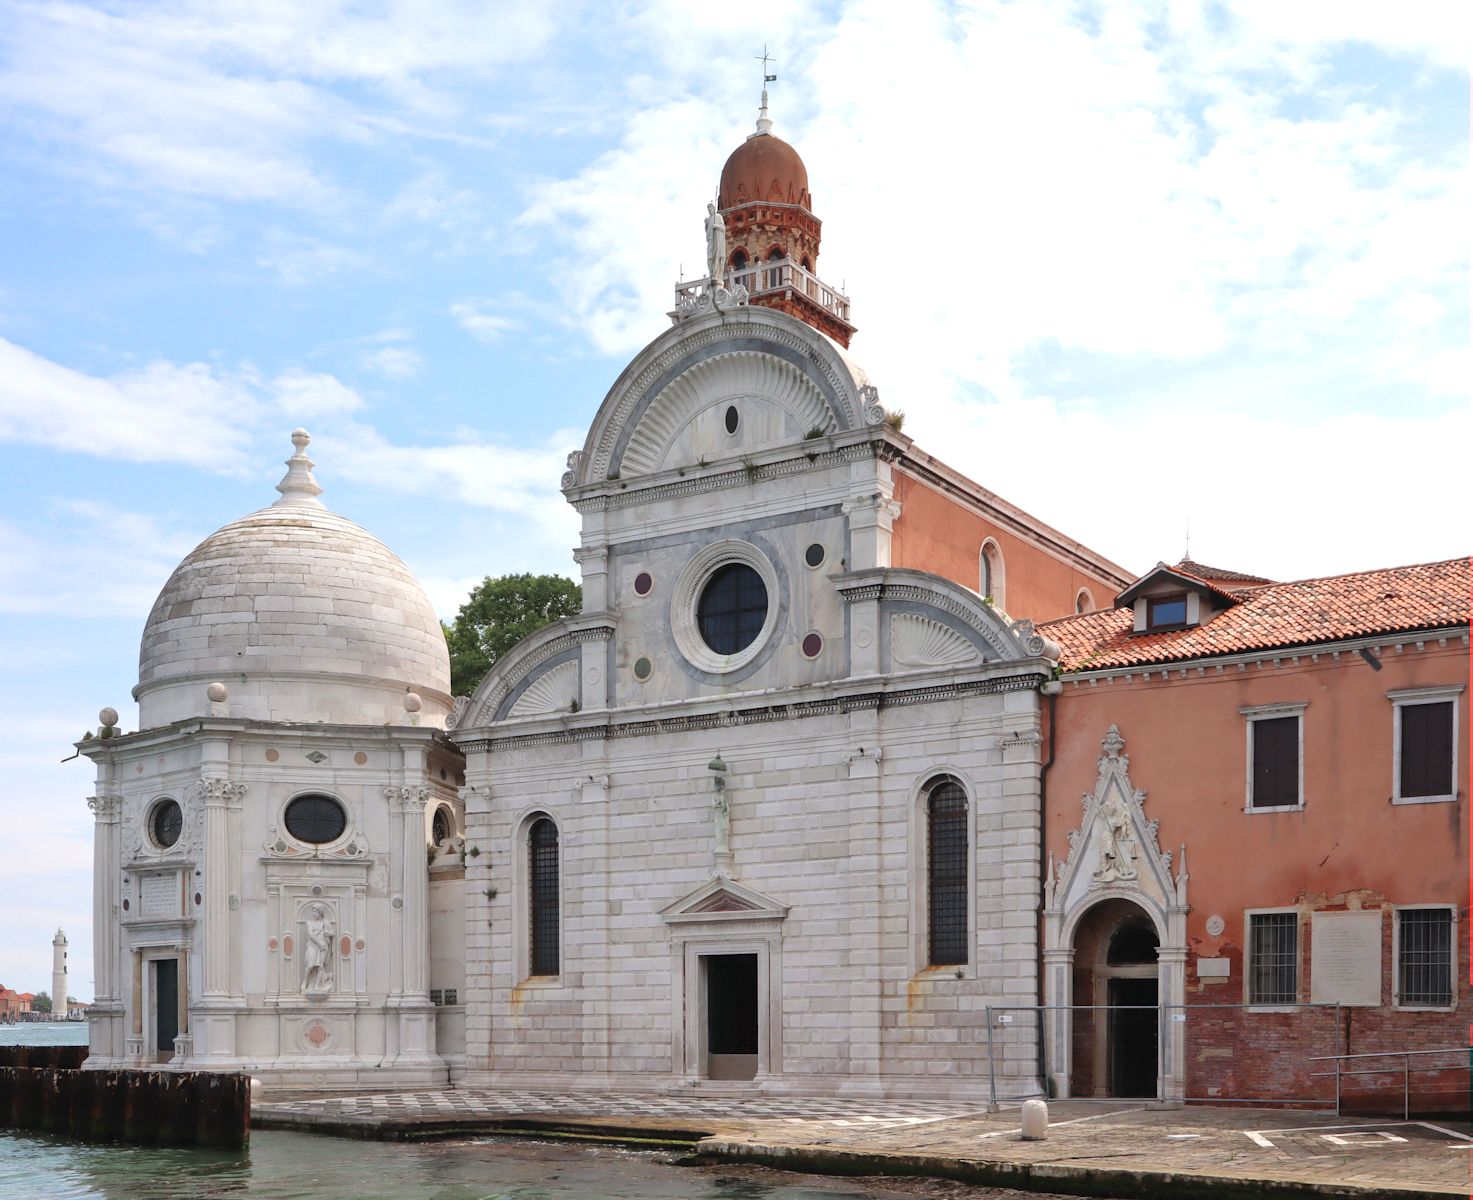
(499, 613)
(41, 1002)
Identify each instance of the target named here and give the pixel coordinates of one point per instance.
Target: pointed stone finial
(297, 486)
(764, 122)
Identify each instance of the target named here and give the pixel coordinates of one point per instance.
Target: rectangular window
(1275, 762)
(1426, 758)
(1273, 958)
(1424, 957)
(1166, 612)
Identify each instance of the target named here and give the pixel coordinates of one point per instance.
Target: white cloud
(471, 315)
(299, 260)
(161, 412)
(305, 395)
(395, 362)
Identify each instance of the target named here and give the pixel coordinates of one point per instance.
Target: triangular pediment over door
(725, 900)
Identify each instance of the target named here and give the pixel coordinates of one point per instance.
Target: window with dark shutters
(542, 847)
(946, 868)
(1275, 762)
(1427, 749)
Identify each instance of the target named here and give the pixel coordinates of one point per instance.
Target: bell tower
(766, 249)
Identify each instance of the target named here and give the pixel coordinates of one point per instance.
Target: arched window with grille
(544, 888)
(946, 873)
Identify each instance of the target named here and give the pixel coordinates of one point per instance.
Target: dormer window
(1166, 612)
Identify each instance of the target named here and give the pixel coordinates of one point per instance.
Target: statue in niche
(715, 245)
(1117, 846)
(317, 952)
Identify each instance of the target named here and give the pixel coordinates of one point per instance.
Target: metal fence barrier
(1204, 1053)
(1339, 1074)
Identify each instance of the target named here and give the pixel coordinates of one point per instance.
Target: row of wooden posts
(163, 1108)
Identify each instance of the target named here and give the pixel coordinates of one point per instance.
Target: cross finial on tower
(764, 122)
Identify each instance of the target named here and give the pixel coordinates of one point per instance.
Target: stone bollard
(1035, 1120)
(141, 1107)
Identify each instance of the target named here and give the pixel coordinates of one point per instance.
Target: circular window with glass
(732, 608)
(315, 820)
(725, 606)
(165, 823)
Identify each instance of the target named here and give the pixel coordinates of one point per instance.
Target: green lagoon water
(296, 1166)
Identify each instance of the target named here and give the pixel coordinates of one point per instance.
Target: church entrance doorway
(729, 983)
(1132, 1037)
(165, 1007)
(1117, 991)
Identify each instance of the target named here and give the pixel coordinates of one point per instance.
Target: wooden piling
(141, 1108)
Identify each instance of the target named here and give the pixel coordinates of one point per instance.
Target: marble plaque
(1345, 958)
(159, 895)
(1213, 968)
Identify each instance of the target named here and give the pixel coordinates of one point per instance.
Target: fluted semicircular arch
(850, 401)
(744, 373)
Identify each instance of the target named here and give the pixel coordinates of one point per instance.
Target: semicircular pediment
(795, 379)
(684, 422)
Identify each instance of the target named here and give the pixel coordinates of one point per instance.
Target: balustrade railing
(765, 278)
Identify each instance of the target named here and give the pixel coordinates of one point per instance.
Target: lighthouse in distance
(58, 976)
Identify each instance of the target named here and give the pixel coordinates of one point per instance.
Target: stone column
(135, 1035)
(410, 907)
(1058, 1025)
(214, 942)
(107, 1007)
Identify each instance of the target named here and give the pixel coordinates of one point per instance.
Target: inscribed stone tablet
(160, 895)
(1345, 958)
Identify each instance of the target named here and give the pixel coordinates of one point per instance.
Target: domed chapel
(768, 813)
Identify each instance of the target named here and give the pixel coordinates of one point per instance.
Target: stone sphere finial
(217, 692)
(412, 702)
(108, 717)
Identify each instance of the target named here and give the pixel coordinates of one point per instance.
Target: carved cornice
(719, 479)
(759, 714)
(511, 670)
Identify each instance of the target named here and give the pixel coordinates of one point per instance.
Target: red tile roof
(1197, 583)
(1308, 612)
(1218, 574)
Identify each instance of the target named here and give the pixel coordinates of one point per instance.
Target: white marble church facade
(767, 803)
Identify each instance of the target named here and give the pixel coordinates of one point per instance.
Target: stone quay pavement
(1106, 1149)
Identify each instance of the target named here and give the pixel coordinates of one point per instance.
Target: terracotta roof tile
(1218, 574)
(1310, 611)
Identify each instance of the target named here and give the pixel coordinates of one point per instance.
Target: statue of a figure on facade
(317, 952)
(715, 245)
(1117, 849)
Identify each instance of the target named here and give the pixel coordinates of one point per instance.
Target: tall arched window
(544, 887)
(776, 253)
(739, 260)
(992, 578)
(946, 872)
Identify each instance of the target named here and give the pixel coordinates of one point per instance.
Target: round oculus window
(316, 820)
(732, 608)
(732, 418)
(814, 555)
(643, 582)
(166, 824)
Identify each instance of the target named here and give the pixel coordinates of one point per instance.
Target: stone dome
(764, 167)
(301, 614)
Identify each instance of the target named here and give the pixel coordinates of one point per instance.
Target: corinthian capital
(106, 809)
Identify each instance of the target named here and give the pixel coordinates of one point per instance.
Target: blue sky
(1131, 265)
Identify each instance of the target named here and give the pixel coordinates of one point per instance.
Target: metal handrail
(1406, 1057)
